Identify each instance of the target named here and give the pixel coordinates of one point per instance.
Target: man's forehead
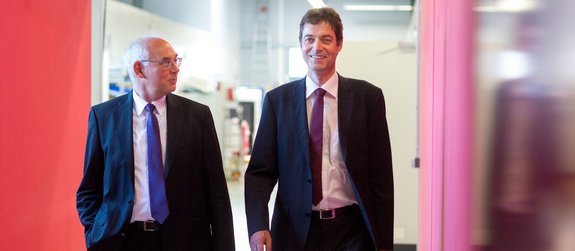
(318, 30)
(162, 50)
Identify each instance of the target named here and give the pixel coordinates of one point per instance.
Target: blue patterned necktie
(316, 142)
(156, 180)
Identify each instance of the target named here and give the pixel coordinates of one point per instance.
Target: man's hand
(261, 239)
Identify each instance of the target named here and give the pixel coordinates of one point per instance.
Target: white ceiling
(284, 16)
(358, 25)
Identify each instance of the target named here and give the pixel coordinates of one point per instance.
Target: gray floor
(236, 189)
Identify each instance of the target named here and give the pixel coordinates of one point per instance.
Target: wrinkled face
(319, 48)
(156, 79)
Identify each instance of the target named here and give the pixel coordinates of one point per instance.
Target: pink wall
(44, 102)
(446, 127)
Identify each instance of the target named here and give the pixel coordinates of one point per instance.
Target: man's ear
(340, 46)
(138, 69)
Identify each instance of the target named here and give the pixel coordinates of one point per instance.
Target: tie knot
(150, 107)
(320, 92)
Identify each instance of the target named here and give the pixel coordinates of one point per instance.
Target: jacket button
(309, 181)
(123, 234)
(131, 202)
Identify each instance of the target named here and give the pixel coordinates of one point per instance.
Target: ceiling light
(357, 7)
(508, 6)
(316, 3)
(517, 5)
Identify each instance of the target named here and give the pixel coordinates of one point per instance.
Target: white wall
(125, 23)
(393, 69)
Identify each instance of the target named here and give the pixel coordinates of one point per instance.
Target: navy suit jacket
(281, 154)
(200, 213)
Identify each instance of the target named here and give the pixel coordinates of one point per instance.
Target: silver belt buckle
(331, 216)
(151, 228)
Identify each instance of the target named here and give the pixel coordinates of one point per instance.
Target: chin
(318, 68)
(171, 88)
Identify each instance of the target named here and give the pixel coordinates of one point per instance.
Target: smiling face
(156, 80)
(319, 49)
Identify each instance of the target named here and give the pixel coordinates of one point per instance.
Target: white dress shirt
(336, 184)
(141, 210)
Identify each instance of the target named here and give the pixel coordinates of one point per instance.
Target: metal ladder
(261, 46)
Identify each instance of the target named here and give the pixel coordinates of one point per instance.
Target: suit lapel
(345, 108)
(123, 116)
(174, 127)
(298, 100)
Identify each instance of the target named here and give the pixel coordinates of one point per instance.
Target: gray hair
(137, 50)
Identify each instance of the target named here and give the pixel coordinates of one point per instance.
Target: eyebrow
(321, 36)
(169, 58)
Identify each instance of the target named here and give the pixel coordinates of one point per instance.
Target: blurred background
(525, 134)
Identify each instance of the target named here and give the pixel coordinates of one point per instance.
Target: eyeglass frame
(166, 63)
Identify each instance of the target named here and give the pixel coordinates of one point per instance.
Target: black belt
(328, 214)
(146, 226)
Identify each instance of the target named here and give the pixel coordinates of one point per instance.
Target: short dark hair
(325, 14)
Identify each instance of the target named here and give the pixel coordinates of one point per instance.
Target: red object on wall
(230, 94)
(44, 104)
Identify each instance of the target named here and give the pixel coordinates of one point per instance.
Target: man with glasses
(153, 174)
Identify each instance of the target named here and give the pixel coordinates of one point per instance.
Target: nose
(174, 67)
(316, 45)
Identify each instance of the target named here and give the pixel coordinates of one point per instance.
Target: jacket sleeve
(262, 172)
(381, 174)
(89, 193)
(219, 199)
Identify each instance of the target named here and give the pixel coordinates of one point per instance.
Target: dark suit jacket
(200, 212)
(281, 154)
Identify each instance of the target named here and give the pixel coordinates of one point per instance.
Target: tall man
(153, 175)
(324, 140)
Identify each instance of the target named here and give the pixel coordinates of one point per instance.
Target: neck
(320, 77)
(149, 98)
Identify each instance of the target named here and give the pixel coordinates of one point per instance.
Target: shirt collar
(140, 104)
(330, 85)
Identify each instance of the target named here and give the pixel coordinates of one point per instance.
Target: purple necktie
(156, 181)
(316, 142)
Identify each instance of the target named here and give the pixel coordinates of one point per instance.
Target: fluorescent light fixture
(316, 3)
(358, 7)
(508, 6)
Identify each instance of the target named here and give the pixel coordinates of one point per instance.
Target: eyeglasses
(166, 63)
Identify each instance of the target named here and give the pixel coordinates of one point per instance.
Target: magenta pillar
(446, 124)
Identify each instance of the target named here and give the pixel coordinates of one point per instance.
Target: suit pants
(140, 240)
(132, 240)
(346, 232)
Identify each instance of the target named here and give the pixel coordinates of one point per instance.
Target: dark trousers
(139, 240)
(133, 239)
(346, 232)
